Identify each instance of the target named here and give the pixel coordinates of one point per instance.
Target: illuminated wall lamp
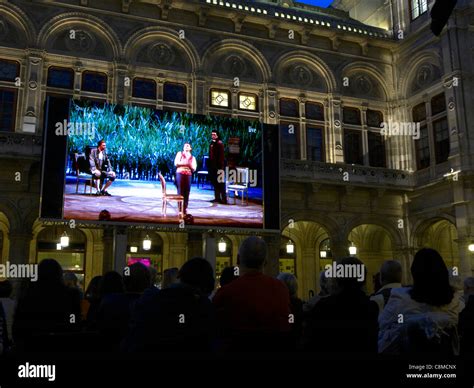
(290, 247)
(147, 243)
(222, 245)
(64, 240)
(352, 250)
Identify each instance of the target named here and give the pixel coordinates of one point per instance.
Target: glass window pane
(174, 93)
(314, 111)
(376, 150)
(438, 104)
(94, 82)
(423, 149)
(374, 118)
(60, 78)
(351, 116)
(247, 101)
(441, 135)
(419, 112)
(314, 141)
(7, 110)
(144, 88)
(289, 108)
(290, 141)
(220, 98)
(353, 147)
(9, 70)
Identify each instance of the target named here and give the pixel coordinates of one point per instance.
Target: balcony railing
(20, 144)
(314, 172)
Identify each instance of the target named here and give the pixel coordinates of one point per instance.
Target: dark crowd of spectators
(249, 312)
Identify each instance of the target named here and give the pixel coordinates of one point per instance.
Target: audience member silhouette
(91, 301)
(228, 275)
(390, 277)
(47, 308)
(115, 309)
(177, 318)
(422, 318)
(345, 322)
(466, 319)
(170, 276)
(296, 304)
(253, 311)
(325, 285)
(8, 304)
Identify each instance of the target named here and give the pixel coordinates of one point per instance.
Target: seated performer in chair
(101, 169)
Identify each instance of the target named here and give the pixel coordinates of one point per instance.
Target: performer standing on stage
(186, 165)
(101, 169)
(216, 163)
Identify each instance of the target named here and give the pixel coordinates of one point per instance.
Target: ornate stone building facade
(326, 78)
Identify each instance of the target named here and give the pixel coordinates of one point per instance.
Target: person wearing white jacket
(423, 317)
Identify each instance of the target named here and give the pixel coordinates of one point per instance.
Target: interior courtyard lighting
(147, 243)
(64, 240)
(222, 245)
(58, 246)
(471, 247)
(353, 250)
(290, 247)
(133, 249)
(323, 254)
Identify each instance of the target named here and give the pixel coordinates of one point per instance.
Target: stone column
(199, 99)
(272, 266)
(123, 84)
(466, 258)
(32, 90)
(340, 247)
(108, 241)
(19, 254)
(404, 255)
(210, 249)
(335, 125)
(195, 245)
(271, 106)
(309, 278)
(120, 249)
(178, 245)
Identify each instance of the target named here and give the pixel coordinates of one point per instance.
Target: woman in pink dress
(186, 165)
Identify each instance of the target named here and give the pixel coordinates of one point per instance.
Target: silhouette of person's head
(138, 279)
(111, 283)
(227, 276)
(170, 276)
(198, 273)
(104, 215)
(252, 254)
(430, 278)
(93, 288)
(50, 273)
(290, 282)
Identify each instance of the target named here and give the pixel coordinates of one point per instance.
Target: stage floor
(140, 201)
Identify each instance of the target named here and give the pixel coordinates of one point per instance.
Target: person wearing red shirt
(253, 311)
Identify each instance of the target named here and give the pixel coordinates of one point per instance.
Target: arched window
(9, 71)
(144, 88)
(94, 82)
(72, 258)
(60, 77)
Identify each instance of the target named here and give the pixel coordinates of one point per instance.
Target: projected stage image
(135, 164)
